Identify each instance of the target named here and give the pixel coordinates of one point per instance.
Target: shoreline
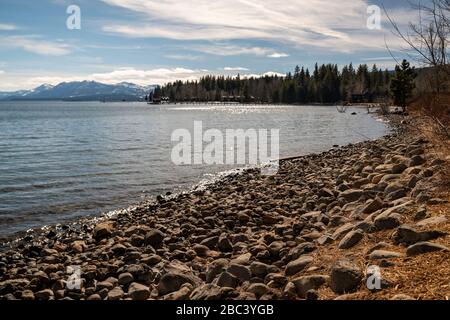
(295, 235)
(6, 241)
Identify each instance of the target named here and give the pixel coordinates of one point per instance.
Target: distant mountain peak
(85, 90)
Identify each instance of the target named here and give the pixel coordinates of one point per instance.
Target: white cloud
(228, 50)
(235, 69)
(335, 25)
(17, 81)
(2, 72)
(36, 45)
(185, 57)
(7, 27)
(277, 55)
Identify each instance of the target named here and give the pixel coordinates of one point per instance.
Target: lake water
(64, 160)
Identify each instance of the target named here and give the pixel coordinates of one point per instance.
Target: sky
(154, 42)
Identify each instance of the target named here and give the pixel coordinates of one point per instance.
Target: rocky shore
(324, 227)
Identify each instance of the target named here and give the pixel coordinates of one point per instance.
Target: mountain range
(82, 91)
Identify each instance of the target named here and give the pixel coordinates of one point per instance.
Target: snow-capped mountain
(82, 91)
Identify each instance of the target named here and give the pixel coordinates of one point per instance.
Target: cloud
(7, 27)
(235, 69)
(137, 76)
(35, 44)
(187, 57)
(228, 50)
(336, 25)
(161, 76)
(277, 55)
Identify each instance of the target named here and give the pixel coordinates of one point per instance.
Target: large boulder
(351, 239)
(103, 230)
(154, 238)
(307, 283)
(298, 265)
(138, 291)
(346, 277)
(425, 247)
(172, 281)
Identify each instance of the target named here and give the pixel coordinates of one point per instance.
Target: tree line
(325, 84)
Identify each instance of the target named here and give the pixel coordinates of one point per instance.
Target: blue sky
(153, 42)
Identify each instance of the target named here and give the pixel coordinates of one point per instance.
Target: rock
(105, 285)
(351, 239)
(337, 221)
(373, 206)
(365, 226)
(27, 295)
(395, 195)
(94, 297)
(325, 239)
(399, 168)
(79, 246)
(154, 238)
(119, 249)
(386, 222)
(421, 214)
(342, 231)
(241, 272)
(42, 277)
(227, 280)
(259, 269)
(215, 268)
(290, 292)
(46, 294)
(201, 250)
(172, 281)
(243, 259)
(275, 248)
(425, 247)
(312, 295)
(209, 292)
(307, 283)
(384, 254)
(298, 265)
(125, 279)
(276, 280)
(182, 294)
(152, 260)
(325, 193)
(224, 244)
(138, 292)
(417, 161)
(433, 221)
(408, 235)
(258, 289)
(345, 277)
(351, 195)
(116, 294)
(242, 217)
(103, 230)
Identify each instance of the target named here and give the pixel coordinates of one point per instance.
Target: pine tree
(402, 84)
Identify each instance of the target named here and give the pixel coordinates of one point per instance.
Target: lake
(63, 160)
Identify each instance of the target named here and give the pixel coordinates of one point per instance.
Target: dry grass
(424, 277)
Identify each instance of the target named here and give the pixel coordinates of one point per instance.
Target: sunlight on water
(64, 160)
